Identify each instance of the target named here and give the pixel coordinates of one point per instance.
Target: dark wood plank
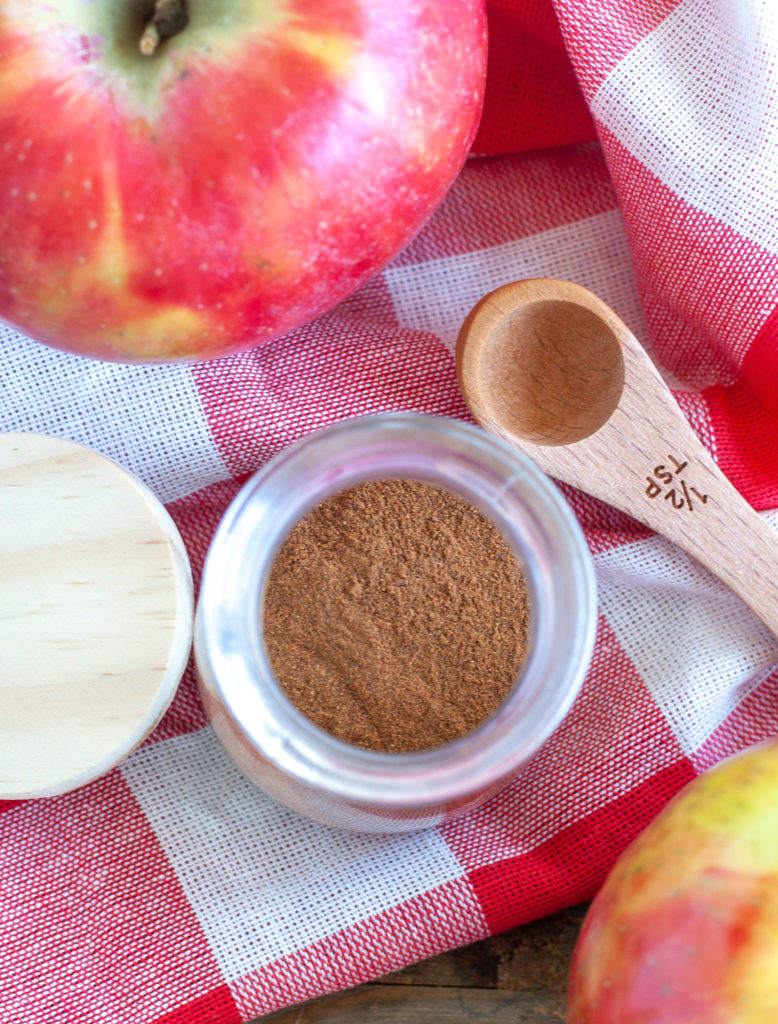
(518, 977)
(473, 966)
(432, 1004)
(536, 955)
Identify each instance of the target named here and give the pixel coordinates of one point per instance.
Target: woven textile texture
(632, 147)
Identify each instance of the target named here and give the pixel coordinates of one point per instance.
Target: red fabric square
(532, 98)
(541, 882)
(215, 1007)
(196, 516)
(96, 928)
(611, 743)
(746, 434)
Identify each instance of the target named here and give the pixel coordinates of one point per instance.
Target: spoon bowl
(549, 367)
(548, 386)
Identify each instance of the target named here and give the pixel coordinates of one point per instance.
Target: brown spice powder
(396, 616)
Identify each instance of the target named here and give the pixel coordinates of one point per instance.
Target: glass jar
(280, 749)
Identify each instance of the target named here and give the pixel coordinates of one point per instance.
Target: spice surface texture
(396, 616)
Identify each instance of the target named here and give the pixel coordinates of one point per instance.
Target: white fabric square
(696, 102)
(147, 418)
(263, 881)
(698, 648)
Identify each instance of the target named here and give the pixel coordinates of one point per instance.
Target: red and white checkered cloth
(172, 891)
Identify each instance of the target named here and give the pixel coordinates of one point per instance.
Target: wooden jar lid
(95, 614)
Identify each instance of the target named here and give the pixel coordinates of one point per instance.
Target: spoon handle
(688, 499)
(651, 464)
(548, 366)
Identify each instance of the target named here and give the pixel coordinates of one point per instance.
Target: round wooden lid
(95, 614)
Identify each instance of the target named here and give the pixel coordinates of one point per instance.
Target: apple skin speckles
(243, 180)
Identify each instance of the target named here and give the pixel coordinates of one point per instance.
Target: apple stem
(169, 17)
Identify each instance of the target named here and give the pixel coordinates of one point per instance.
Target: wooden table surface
(519, 977)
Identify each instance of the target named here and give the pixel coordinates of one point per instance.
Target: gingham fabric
(634, 149)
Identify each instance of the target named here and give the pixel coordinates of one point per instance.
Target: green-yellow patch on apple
(685, 928)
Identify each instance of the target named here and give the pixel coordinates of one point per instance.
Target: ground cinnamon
(396, 616)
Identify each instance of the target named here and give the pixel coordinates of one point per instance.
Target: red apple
(685, 928)
(254, 170)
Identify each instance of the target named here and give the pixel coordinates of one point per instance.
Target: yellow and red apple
(256, 168)
(685, 928)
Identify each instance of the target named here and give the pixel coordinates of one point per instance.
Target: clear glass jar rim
(562, 576)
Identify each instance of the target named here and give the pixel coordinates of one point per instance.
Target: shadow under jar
(278, 747)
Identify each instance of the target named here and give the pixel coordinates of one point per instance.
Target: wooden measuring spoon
(548, 366)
